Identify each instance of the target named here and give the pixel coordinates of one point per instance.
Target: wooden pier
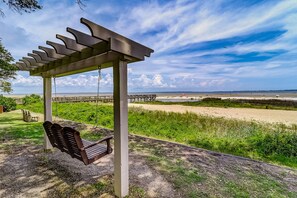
(105, 99)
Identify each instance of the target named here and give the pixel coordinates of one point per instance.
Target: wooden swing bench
(68, 140)
(27, 117)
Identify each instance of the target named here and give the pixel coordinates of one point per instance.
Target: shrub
(211, 99)
(33, 98)
(8, 104)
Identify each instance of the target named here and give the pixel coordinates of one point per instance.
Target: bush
(8, 104)
(211, 99)
(33, 98)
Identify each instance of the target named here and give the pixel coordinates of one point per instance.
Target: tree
(7, 70)
(28, 6)
(22, 5)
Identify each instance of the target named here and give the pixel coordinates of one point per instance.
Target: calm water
(184, 96)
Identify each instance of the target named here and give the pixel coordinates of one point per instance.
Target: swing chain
(97, 98)
(56, 102)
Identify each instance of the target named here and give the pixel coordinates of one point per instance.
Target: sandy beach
(262, 115)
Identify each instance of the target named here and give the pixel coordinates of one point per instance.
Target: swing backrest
(47, 127)
(74, 143)
(57, 133)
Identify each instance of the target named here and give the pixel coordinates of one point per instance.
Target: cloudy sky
(199, 45)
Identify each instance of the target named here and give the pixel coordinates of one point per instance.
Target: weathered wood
(118, 42)
(82, 38)
(60, 49)
(37, 58)
(88, 64)
(70, 43)
(47, 104)
(33, 62)
(51, 52)
(121, 157)
(43, 56)
(68, 140)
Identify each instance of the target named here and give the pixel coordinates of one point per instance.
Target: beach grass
(274, 143)
(234, 103)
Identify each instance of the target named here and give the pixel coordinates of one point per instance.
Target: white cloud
(31, 81)
(166, 27)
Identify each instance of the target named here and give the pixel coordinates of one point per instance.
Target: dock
(105, 99)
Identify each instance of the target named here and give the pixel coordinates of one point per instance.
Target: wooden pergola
(103, 48)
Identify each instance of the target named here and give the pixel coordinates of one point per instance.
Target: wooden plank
(121, 155)
(122, 42)
(60, 49)
(70, 43)
(51, 52)
(47, 105)
(33, 62)
(43, 56)
(82, 38)
(89, 64)
(37, 58)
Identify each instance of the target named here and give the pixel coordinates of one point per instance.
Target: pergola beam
(123, 44)
(32, 62)
(43, 56)
(82, 38)
(60, 49)
(37, 58)
(79, 61)
(51, 52)
(27, 63)
(105, 60)
(70, 43)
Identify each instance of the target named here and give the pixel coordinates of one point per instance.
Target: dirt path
(263, 115)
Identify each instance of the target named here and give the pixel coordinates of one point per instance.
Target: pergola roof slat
(105, 34)
(43, 56)
(32, 61)
(60, 49)
(82, 38)
(84, 53)
(51, 52)
(27, 63)
(21, 66)
(37, 58)
(70, 43)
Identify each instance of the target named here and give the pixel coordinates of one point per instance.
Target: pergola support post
(47, 106)
(121, 161)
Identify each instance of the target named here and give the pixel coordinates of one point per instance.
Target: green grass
(271, 143)
(188, 180)
(227, 103)
(14, 131)
(194, 180)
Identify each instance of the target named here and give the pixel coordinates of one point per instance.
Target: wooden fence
(131, 98)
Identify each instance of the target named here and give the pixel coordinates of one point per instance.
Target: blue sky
(199, 45)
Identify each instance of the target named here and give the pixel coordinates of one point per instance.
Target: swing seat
(68, 140)
(84, 150)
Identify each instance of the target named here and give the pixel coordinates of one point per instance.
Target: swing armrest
(107, 139)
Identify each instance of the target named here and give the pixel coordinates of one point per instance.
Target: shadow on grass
(26, 171)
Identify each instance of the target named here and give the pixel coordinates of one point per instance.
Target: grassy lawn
(194, 180)
(188, 179)
(226, 103)
(270, 143)
(14, 131)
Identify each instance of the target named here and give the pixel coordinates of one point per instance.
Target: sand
(262, 115)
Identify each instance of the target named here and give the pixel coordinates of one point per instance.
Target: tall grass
(275, 143)
(235, 103)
